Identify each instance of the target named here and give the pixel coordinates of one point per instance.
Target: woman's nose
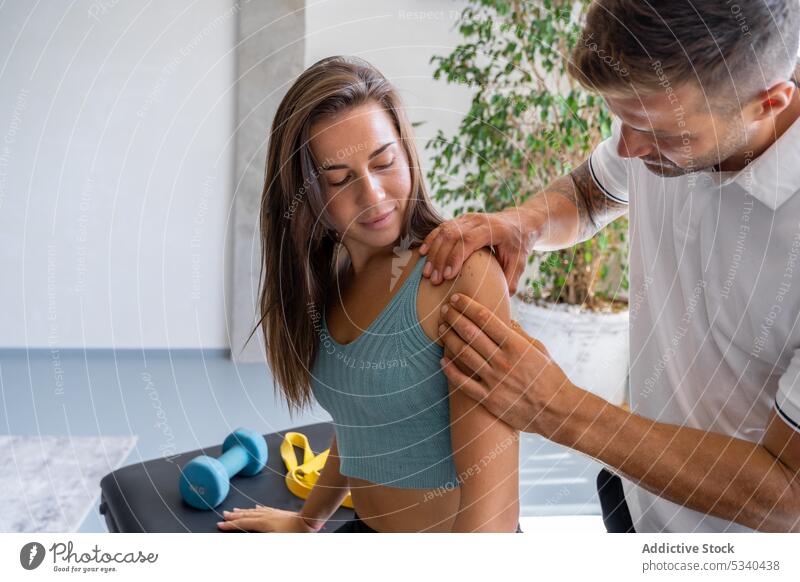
(371, 190)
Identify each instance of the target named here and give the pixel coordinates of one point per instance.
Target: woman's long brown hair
(299, 253)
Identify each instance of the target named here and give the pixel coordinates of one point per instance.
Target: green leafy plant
(528, 123)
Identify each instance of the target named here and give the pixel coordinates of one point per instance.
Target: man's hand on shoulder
(450, 244)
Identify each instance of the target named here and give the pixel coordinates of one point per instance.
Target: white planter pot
(591, 348)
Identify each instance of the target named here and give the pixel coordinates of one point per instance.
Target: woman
(348, 319)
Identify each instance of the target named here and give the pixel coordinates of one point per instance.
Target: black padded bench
(145, 497)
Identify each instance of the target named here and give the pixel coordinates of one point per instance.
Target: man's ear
(774, 100)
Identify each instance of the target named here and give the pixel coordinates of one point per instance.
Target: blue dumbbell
(205, 481)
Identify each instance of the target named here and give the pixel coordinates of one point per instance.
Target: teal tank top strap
(409, 322)
(407, 296)
(403, 301)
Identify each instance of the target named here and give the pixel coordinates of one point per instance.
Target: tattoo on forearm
(595, 209)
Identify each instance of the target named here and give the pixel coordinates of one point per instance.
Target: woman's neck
(368, 259)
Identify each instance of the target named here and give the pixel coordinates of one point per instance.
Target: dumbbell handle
(234, 459)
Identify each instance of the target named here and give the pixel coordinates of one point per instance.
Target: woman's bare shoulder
(430, 298)
(482, 278)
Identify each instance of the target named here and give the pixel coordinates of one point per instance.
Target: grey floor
(175, 401)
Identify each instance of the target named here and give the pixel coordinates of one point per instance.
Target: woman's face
(364, 175)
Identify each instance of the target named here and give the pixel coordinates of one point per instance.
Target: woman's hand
(263, 519)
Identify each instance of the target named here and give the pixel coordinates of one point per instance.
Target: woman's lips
(381, 221)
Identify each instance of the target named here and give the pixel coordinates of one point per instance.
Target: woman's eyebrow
(377, 152)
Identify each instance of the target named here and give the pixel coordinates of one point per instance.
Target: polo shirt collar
(774, 176)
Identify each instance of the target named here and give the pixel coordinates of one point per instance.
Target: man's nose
(633, 144)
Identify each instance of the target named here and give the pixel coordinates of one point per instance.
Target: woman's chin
(378, 239)
(382, 235)
(385, 237)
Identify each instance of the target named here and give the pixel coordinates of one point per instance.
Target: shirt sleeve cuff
(787, 418)
(603, 189)
(610, 171)
(787, 398)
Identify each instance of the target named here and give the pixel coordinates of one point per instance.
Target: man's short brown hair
(732, 47)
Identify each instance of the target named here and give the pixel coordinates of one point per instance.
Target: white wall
(399, 38)
(115, 172)
(116, 156)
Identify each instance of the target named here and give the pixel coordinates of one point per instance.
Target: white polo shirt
(714, 302)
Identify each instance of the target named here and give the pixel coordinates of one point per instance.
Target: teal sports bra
(388, 397)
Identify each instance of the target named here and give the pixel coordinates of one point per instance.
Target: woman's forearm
(328, 493)
(489, 500)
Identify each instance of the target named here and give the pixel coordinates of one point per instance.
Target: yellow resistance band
(300, 479)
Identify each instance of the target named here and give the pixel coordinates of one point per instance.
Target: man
(705, 159)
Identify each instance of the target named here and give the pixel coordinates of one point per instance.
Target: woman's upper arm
(485, 449)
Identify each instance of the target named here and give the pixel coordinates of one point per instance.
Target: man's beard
(733, 141)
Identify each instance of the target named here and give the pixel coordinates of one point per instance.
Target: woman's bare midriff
(390, 509)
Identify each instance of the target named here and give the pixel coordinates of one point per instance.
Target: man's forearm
(569, 210)
(552, 218)
(712, 473)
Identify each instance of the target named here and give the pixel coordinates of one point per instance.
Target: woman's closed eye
(385, 166)
(342, 182)
(388, 164)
